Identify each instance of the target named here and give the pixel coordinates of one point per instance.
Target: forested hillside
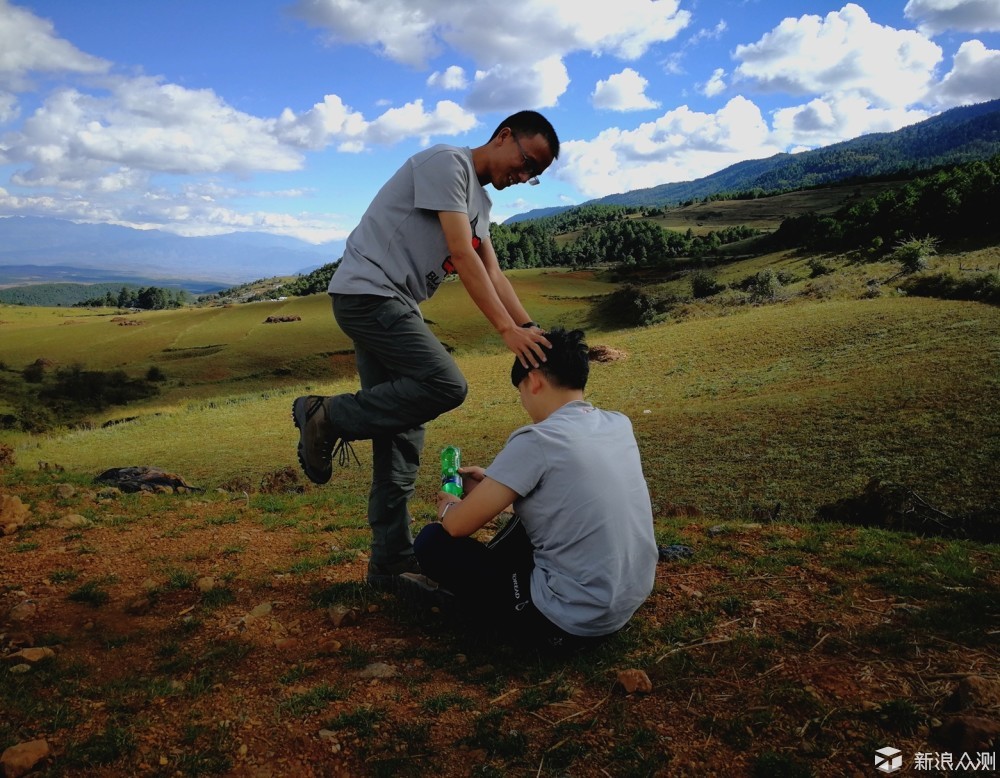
(959, 135)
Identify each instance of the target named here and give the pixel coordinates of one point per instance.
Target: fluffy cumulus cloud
(451, 78)
(679, 146)
(76, 138)
(831, 119)
(536, 84)
(716, 84)
(625, 91)
(843, 52)
(973, 78)
(937, 16)
(540, 34)
(29, 44)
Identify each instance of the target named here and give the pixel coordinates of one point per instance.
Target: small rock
(287, 645)
(71, 521)
(20, 669)
(967, 734)
(206, 584)
(23, 611)
(675, 552)
(328, 646)
(974, 692)
(65, 491)
(342, 616)
(261, 610)
(31, 655)
(635, 681)
(378, 670)
(140, 606)
(21, 759)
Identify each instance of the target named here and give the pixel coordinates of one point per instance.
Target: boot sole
(316, 478)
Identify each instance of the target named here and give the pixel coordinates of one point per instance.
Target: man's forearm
(505, 291)
(484, 292)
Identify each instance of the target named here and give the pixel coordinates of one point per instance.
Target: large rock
(21, 759)
(144, 479)
(14, 514)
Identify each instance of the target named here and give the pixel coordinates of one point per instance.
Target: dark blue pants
(492, 583)
(407, 379)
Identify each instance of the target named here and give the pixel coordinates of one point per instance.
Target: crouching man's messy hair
(567, 363)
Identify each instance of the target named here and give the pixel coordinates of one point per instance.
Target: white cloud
(974, 77)
(142, 124)
(537, 85)
(412, 31)
(29, 44)
(535, 41)
(715, 84)
(681, 145)
(843, 52)
(410, 120)
(332, 122)
(936, 16)
(625, 91)
(827, 120)
(452, 78)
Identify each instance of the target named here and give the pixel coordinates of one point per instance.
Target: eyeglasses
(530, 166)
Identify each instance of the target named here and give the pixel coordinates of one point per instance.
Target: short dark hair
(531, 123)
(567, 363)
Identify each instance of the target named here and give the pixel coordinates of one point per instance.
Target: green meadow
(801, 401)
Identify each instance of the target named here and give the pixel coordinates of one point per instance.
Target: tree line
(147, 298)
(950, 204)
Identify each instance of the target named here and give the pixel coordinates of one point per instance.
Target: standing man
(431, 219)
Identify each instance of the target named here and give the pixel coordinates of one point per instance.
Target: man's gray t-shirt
(585, 506)
(398, 248)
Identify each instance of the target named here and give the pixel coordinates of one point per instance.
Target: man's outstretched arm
(494, 298)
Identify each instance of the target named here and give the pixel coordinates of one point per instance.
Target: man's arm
(499, 307)
(463, 517)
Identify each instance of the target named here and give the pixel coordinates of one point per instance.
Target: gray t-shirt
(585, 506)
(398, 248)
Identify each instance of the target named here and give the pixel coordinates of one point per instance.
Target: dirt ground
(197, 635)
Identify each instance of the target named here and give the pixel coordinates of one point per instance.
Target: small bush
(912, 254)
(817, 268)
(704, 284)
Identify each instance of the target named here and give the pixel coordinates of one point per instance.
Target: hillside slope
(959, 135)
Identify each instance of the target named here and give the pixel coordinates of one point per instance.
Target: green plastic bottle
(451, 480)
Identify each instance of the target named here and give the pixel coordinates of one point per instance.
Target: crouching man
(579, 557)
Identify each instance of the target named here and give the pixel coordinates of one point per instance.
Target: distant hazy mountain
(959, 135)
(35, 249)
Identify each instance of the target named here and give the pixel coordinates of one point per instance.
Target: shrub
(765, 286)
(704, 284)
(817, 268)
(984, 288)
(912, 253)
(631, 306)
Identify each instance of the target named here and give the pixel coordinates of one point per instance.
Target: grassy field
(784, 646)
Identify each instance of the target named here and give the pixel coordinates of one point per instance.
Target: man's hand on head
(528, 344)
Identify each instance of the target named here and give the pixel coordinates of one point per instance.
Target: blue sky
(286, 116)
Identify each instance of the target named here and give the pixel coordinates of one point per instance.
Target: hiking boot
(385, 577)
(417, 589)
(318, 439)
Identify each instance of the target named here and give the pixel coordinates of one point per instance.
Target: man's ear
(536, 381)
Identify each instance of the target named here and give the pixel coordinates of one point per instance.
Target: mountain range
(958, 135)
(45, 250)
(41, 250)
